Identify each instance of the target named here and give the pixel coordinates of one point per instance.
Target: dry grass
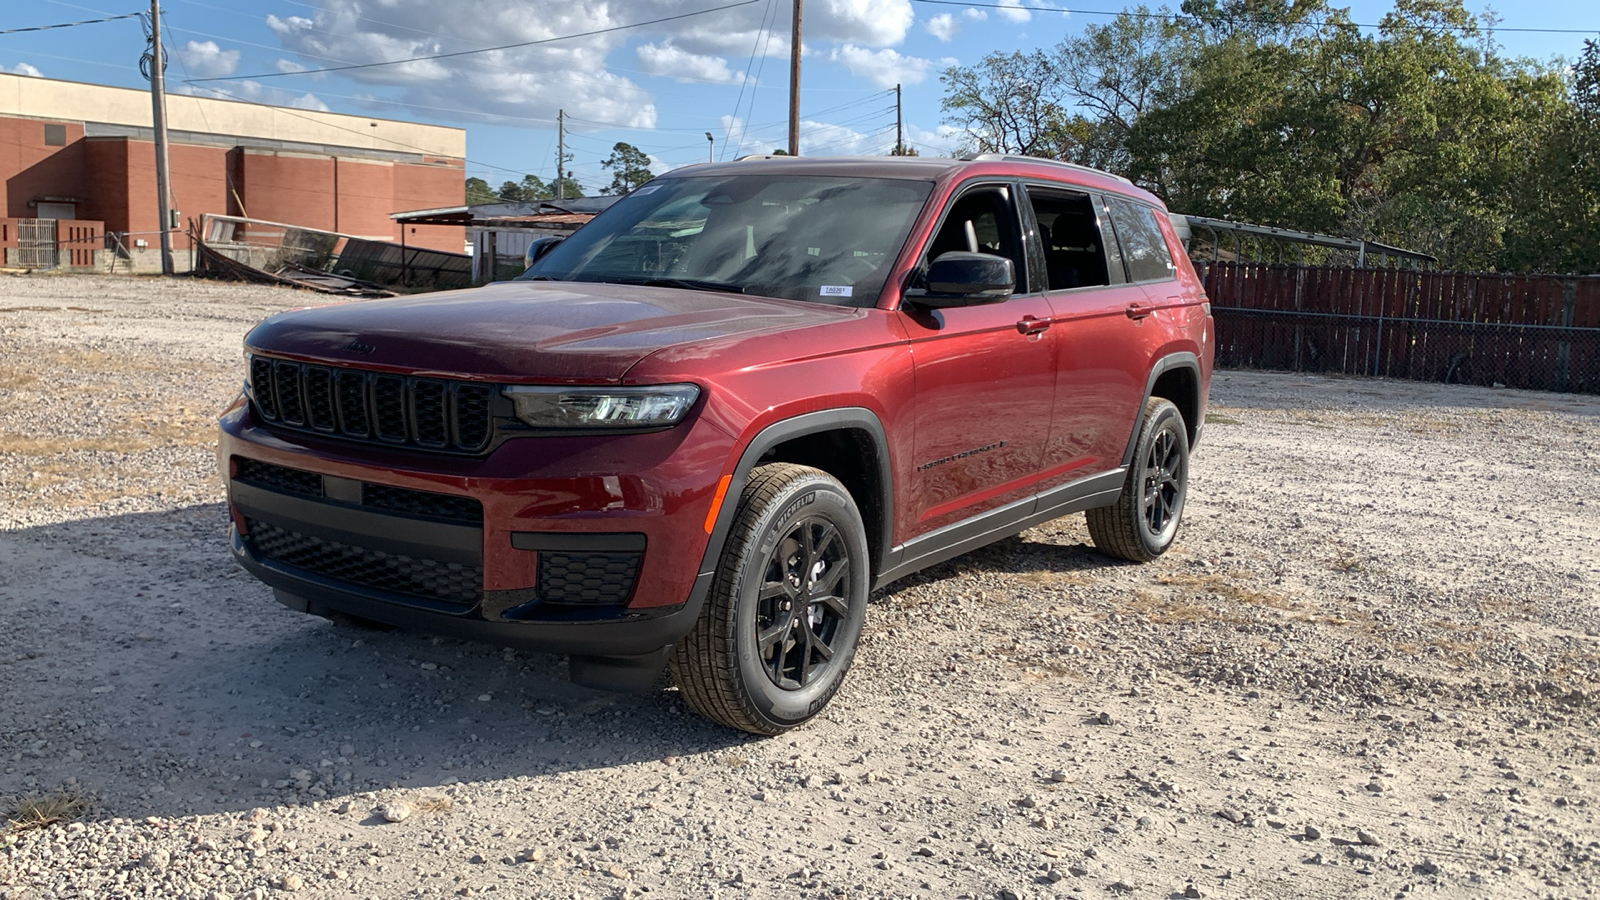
(36, 811)
(1228, 586)
(433, 803)
(1213, 418)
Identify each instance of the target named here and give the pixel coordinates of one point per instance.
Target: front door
(985, 376)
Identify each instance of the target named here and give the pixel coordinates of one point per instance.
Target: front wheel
(780, 626)
(1143, 522)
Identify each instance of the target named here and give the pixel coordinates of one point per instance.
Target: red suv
(711, 422)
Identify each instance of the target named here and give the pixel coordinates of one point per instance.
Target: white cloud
(254, 92)
(23, 68)
(976, 15)
(207, 60)
(885, 68)
(657, 59)
(1014, 13)
(532, 82)
(289, 66)
(943, 26)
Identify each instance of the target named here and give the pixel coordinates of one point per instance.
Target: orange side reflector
(716, 502)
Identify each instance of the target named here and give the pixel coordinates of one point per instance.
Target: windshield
(821, 239)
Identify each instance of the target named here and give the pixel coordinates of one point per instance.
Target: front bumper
(591, 547)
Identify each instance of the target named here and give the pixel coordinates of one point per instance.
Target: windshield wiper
(692, 284)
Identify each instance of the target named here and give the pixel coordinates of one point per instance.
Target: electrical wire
(1181, 16)
(459, 53)
(137, 15)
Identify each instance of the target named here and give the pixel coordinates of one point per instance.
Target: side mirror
(960, 278)
(538, 248)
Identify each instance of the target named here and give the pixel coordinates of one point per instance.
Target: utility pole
(561, 154)
(794, 83)
(158, 104)
(899, 134)
(711, 148)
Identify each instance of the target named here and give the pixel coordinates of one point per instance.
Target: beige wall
(48, 98)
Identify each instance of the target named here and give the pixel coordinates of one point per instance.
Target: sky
(711, 66)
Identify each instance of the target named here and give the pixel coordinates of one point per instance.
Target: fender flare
(1181, 359)
(850, 418)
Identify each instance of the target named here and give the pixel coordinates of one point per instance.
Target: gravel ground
(1370, 668)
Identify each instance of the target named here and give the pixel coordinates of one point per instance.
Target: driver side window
(982, 220)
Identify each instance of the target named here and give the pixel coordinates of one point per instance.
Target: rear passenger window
(1069, 232)
(1143, 245)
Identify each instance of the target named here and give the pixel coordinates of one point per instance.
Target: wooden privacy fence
(1539, 332)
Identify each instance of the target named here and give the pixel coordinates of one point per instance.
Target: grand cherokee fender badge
(962, 455)
(358, 347)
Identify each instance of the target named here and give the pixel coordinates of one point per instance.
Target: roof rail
(1013, 157)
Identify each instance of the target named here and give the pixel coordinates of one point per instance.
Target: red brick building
(72, 151)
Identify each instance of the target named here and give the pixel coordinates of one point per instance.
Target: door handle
(1032, 325)
(1138, 310)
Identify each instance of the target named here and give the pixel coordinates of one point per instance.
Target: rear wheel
(780, 626)
(1143, 522)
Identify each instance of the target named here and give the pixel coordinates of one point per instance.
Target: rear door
(1096, 316)
(985, 375)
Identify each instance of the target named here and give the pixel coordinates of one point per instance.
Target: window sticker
(836, 290)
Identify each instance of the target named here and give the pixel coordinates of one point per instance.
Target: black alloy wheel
(1143, 523)
(780, 626)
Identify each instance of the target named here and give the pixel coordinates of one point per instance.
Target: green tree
(573, 188)
(535, 188)
(478, 191)
(510, 192)
(630, 167)
(1557, 213)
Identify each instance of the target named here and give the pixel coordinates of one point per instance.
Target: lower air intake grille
(422, 503)
(428, 579)
(590, 579)
(279, 478)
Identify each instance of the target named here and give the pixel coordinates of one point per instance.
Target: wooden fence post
(1569, 308)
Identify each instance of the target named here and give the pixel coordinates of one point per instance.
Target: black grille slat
(352, 393)
(428, 579)
(286, 376)
(428, 411)
(319, 398)
(587, 579)
(423, 503)
(432, 414)
(279, 478)
(389, 407)
(472, 415)
(261, 386)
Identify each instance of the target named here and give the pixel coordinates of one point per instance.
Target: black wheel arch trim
(842, 419)
(1181, 359)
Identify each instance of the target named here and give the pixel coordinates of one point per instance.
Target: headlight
(655, 406)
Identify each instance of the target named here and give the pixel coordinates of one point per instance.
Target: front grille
(423, 503)
(590, 579)
(427, 579)
(279, 478)
(417, 413)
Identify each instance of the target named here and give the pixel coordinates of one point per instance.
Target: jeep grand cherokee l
(714, 419)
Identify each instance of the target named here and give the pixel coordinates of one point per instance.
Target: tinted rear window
(1143, 245)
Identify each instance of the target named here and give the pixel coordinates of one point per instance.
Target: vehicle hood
(527, 331)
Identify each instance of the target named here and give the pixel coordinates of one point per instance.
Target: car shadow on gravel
(145, 668)
(1042, 552)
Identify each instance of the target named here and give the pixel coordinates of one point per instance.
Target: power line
(73, 24)
(564, 37)
(1178, 16)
